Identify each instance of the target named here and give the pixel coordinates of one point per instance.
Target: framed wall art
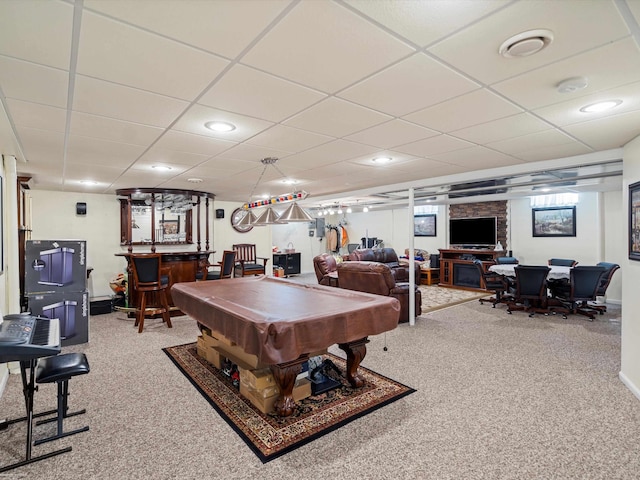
(634, 221)
(554, 221)
(424, 225)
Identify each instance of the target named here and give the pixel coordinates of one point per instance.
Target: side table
(429, 276)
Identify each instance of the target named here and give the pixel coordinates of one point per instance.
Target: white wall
(630, 351)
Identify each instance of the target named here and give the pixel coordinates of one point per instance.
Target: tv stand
(457, 268)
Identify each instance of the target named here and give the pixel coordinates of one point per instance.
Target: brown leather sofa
(376, 277)
(326, 269)
(389, 257)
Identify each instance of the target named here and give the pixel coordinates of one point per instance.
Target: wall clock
(236, 216)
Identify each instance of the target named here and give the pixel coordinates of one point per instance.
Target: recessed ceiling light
(220, 126)
(365, 209)
(194, 180)
(161, 168)
(526, 43)
(349, 210)
(381, 160)
(88, 182)
(601, 106)
(289, 181)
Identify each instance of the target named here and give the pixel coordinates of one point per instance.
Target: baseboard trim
(629, 384)
(4, 378)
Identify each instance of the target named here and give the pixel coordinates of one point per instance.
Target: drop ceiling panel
(162, 156)
(216, 167)
(326, 154)
(124, 103)
(434, 145)
(88, 125)
(516, 145)
(188, 142)
(103, 174)
(409, 18)
(38, 116)
(127, 55)
(475, 48)
(614, 64)
(333, 47)
(33, 83)
(222, 27)
(251, 153)
(42, 146)
(606, 133)
(101, 152)
(508, 127)
(414, 83)
(250, 92)
(553, 151)
(477, 158)
(397, 159)
(336, 118)
(288, 139)
(392, 133)
(479, 106)
(36, 31)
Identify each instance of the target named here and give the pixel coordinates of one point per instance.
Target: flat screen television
(473, 232)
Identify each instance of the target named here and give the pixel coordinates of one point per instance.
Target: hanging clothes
(344, 236)
(332, 239)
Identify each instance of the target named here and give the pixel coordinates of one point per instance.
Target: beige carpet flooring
(498, 396)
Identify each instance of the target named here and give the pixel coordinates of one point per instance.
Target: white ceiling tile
(408, 18)
(36, 31)
(434, 145)
(614, 64)
(513, 126)
(336, 118)
(251, 153)
(567, 113)
(42, 146)
(250, 92)
(397, 159)
(88, 125)
(103, 174)
(38, 116)
(188, 142)
(547, 138)
(477, 158)
(407, 86)
(475, 48)
(390, 134)
(480, 106)
(127, 55)
(281, 137)
(220, 166)
(333, 47)
(101, 152)
(175, 168)
(634, 8)
(609, 132)
(326, 154)
(161, 156)
(124, 103)
(196, 116)
(222, 27)
(553, 151)
(33, 83)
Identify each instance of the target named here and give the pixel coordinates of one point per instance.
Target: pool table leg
(285, 376)
(356, 352)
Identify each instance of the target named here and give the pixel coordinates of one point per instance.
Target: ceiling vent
(526, 43)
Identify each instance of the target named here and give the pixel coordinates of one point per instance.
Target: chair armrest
(264, 260)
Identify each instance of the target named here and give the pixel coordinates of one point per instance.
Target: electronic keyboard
(25, 337)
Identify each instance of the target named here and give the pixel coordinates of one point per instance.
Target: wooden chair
(148, 277)
(247, 263)
(226, 267)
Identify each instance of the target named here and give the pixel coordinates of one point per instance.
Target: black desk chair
(494, 282)
(583, 285)
(605, 280)
(226, 267)
(507, 261)
(60, 369)
(531, 289)
(148, 278)
(562, 262)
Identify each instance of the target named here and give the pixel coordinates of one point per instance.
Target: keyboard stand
(29, 388)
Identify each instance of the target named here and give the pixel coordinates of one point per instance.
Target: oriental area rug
(270, 436)
(436, 298)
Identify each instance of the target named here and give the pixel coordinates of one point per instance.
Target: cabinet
(457, 268)
(290, 262)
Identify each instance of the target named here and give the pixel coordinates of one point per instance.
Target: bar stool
(60, 369)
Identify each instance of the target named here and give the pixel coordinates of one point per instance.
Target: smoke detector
(573, 84)
(526, 43)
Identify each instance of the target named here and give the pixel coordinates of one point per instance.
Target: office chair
(583, 285)
(562, 262)
(605, 280)
(507, 261)
(494, 282)
(531, 289)
(147, 277)
(226, 267)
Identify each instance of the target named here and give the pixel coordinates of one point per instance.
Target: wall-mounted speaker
(81, 208)
(219, 213)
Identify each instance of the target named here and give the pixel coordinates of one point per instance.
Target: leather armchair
(387, 256)
(377, 278)
(326, 269)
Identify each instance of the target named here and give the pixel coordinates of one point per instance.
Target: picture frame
(554, 221)
(424, 225)
(634, 221)
(170, 227)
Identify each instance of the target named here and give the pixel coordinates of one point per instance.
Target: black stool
(60, 369)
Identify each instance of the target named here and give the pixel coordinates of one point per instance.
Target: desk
(556, 272)
(282, 322)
